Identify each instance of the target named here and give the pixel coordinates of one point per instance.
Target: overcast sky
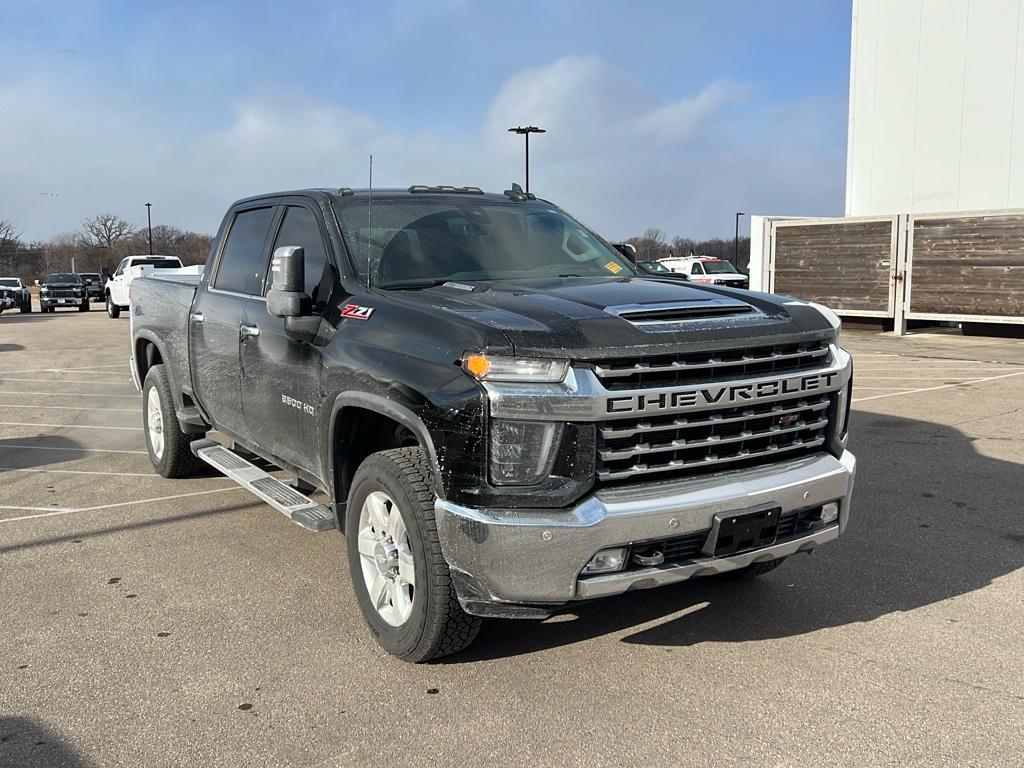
(669, 114)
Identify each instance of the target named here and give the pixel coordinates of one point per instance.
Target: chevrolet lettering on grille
(720, 394)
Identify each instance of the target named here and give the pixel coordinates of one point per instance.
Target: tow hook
(651, 558)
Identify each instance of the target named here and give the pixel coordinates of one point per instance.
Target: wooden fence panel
(968, 265)
(844, 265)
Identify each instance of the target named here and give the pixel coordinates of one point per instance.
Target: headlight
(522, 452)
(521, 369)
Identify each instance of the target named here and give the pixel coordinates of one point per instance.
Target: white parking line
(913, 378)
(944, 386)
(65, 394)
(80, 472)
(55, 381)
(79, 368)
(53, 511)
(56, 448)
(64, 426)
(66, 408)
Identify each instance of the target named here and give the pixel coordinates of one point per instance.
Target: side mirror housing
(286, 297)
(628, 250)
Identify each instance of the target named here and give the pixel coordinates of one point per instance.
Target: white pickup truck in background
(131, 267)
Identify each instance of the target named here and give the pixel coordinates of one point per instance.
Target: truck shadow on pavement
(932, 519)
(18, 453)
(26, 743)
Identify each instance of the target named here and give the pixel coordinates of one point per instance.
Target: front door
(218, 313)
(281, 377)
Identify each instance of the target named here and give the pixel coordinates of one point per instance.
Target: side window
(241, 261)
(300, 228)
(120, 267)
(696, 268)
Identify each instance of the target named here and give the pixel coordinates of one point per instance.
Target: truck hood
(584, 318)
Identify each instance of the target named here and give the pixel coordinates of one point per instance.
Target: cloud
(616, 153)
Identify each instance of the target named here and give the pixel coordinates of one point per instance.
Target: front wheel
(169, 447)
(399, 574)
(113, 311)
(84, 306)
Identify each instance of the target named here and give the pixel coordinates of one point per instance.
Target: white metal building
(934, 224)
(936, 106)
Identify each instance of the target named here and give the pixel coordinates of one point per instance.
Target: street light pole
(149, 228)
(736, 242)
(525, 131)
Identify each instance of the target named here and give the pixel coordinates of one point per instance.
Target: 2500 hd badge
(723, 395)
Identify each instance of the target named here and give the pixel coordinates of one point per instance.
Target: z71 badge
(356, 312)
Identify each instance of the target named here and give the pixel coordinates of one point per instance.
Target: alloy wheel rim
(155, 423)
(386, 559)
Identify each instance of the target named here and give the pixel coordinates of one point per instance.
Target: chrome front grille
(712, 440)
(717, 366)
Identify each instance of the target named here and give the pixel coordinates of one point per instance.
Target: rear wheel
(168, 446)
(113, 311)
(399, 574)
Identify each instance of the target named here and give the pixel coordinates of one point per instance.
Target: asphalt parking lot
(153, 622)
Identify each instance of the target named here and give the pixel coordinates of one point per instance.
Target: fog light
(606, 561)
(829, 513)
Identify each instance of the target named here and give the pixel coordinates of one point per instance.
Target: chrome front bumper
(505, 560)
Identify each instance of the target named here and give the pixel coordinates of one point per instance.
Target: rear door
(280, 376)
(218, 311)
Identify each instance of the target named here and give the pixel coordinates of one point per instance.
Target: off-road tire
(113, 311)
(437, 625)
(177, 459)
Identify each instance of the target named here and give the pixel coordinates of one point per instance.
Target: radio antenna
(370, 267)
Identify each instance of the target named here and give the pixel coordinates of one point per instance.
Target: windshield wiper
(409, 284)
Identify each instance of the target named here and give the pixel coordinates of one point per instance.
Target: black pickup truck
(501, 413)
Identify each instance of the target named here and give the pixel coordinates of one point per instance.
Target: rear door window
(241, 261)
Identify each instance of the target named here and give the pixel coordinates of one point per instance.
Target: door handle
(248, 330)
(197, 317)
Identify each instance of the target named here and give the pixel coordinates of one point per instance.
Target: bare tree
(10, 244)
(105, 230)
(650, 245)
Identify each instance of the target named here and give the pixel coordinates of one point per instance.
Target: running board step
(298, 508)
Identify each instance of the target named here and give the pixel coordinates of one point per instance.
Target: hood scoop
(651, 316)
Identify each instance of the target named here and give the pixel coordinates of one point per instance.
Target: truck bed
(160, 307)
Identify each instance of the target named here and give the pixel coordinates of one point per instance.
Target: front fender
(385, 407)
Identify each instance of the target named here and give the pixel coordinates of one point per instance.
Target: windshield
(718, 268)
(61, 277)
(89, 275)
(422, 242)
(8, 282)
(655, 267)
(156, 263)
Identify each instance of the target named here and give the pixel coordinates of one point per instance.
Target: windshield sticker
(458, 286)
(612, 267)
(356, 312)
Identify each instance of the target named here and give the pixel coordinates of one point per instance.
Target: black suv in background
(93, 285)
(63, 289)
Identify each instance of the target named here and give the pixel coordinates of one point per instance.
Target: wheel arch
(347, 407)
(147, 351)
